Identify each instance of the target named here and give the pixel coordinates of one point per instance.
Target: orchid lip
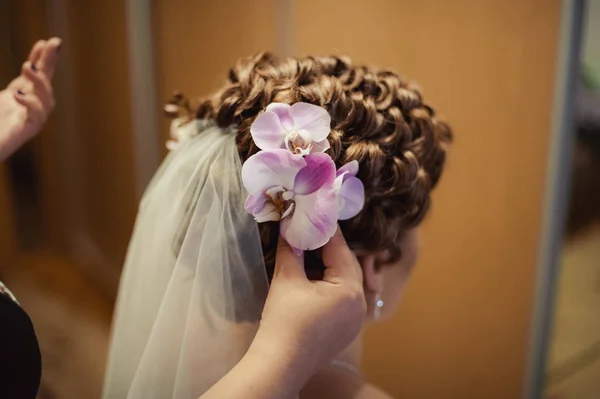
(269, 214)
(282, 200)
(289, 211)
(287, 195)
(296, 144)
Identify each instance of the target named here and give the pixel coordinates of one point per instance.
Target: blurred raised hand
(27, 102)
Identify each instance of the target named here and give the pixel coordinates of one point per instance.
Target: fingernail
(58, 48)
(33, 68)
(19, 92)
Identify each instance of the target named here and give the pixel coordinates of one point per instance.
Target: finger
(287, 263)
(35, 111)
(41, 84)
(49, 57)
(340, 262)
(36, 51)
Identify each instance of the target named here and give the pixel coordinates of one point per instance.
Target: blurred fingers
(49, 57)
(36, 51)
(40, 85)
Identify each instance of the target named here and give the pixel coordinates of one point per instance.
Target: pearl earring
(378, 306)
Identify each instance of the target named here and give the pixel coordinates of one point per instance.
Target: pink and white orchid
(293, 182)
(302, 128)
(349, 190)
(296, 191)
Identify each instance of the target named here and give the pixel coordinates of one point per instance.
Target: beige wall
(100, 63)
(488, 66)
(198, 41)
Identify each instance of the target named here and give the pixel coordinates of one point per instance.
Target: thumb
(339, 260)
(287, 263)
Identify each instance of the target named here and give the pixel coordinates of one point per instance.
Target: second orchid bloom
(293, 181)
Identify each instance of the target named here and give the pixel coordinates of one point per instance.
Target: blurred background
(68, 200)
(573, 367)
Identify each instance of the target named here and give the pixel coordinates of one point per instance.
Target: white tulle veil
(194, 280)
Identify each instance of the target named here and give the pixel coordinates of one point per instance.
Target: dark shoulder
(21, 365)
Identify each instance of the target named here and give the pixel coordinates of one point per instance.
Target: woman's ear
(373, 278)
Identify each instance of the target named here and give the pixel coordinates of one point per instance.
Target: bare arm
(304, 324)
(266, 372)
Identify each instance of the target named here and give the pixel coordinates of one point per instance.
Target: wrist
(284, 359)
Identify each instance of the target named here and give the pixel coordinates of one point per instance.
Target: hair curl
(377, 118)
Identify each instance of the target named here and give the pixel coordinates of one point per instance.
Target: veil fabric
(194, 281)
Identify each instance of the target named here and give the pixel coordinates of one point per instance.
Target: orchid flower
(349, 190)
(297, 191)
(181, 131)
(302, 128)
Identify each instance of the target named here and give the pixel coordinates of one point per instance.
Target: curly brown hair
(377, 118)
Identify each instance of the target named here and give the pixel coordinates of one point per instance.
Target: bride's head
(377, 119)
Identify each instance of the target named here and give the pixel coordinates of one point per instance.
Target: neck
(335, 382)
(353, 353)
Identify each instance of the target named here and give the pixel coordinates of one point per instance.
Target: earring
(378, 306)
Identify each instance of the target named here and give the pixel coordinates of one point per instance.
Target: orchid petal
(337, 183)
(283, 113)
(351, 168)
(311, 118)
(255, 203)
(282, 231)
(351, 197)
(267, 169)
(320, 146)
(267, 131)
(314, 220)
(319, 170)
(296, 251)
